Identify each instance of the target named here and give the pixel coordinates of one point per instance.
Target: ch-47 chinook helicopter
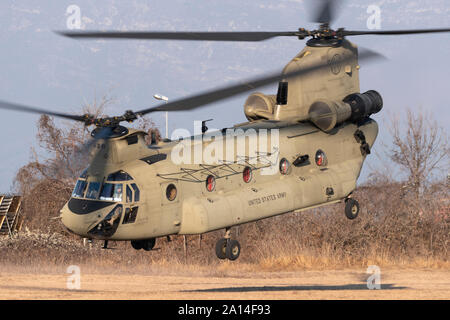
(134, 192)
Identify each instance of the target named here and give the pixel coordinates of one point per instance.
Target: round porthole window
(321, 158)
(171, 192)
(210, 183)
(247, 174)
(284, 166)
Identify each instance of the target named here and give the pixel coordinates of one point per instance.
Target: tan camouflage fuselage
(233, 201)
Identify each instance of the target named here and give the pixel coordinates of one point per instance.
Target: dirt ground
(335, 284)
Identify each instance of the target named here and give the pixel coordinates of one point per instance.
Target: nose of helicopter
(90, 218)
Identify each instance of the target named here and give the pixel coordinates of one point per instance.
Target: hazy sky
(40, 68)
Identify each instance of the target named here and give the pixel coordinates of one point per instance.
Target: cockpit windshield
(111, 190)
(93, 190)
(80, 187)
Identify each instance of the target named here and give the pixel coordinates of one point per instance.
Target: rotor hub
(109, 132)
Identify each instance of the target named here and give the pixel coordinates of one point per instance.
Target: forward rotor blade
(392, 32)
(85, 151)
(203, 99)
(196, 36)
(17, 107)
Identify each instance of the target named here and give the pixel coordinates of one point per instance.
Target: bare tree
(47, 180)
(420, 148)
(65, 151)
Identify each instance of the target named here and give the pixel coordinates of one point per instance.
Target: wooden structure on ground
(10, 219)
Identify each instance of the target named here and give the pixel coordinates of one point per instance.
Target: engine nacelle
(365, 104)
(326, 114)
(259, 106)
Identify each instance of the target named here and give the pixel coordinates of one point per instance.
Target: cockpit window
(118, 191)
(107, 192)
(119, 176)
(136, 192)
(129, 194)
(111, 192)
(80, 188)
(93, 190)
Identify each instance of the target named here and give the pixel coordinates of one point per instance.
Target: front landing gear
(147, 244)
(351, 208)
(227, 248)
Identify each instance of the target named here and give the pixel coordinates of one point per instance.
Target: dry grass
(390, 231)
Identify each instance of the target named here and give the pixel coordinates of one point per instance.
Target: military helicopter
(321, 121)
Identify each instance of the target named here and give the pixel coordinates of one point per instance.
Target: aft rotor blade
(392, 32)
(325, 11)
(18, 107)
(195, 36)
(203, 99)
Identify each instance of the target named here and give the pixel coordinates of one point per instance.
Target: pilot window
(129, 194)
(80, 188)
(111, 192)
(136, 192)
(108, 191)
(118, 191)
(93, 190)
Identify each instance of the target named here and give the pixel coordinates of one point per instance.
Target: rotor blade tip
(371, 54)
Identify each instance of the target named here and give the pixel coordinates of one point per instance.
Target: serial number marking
(251, 309)
(268, 198)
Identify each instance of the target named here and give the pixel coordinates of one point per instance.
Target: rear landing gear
(221, 248)
(233, 249)
(227, 248)
(351, 208)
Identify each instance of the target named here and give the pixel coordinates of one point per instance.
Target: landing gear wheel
(221, 248)
(136, 244)
(233, 249)
(351, 208)
(148, 244)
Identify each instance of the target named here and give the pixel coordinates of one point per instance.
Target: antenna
(204, 127)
